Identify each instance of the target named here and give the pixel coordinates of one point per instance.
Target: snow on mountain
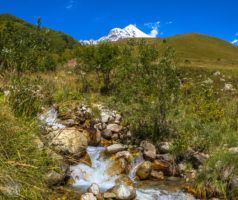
(130, 31)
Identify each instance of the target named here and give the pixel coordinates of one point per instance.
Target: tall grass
(28, 95)
(22, 164)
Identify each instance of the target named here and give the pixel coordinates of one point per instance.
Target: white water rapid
(85, 176)
(51, 119)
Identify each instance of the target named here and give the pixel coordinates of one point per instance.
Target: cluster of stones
(83, 129)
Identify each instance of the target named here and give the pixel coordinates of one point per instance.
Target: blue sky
(91, 19)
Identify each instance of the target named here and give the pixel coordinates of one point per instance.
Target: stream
(85, 176)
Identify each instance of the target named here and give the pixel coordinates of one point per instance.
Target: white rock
(88, 196)
(105, 116)
(114, 128)
(124, 192)
(116, 148)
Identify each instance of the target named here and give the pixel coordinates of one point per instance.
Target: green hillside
(58, 41)
(202, 50)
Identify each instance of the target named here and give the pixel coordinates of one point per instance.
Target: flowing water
(85, 176)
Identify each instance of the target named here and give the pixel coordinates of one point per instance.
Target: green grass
(22, 164)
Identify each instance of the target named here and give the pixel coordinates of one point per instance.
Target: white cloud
(235, 41)
(70, 4)
(155, 28)
(154, 32)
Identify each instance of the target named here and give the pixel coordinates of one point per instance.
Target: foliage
(101, 59)
(24, 47)
(27, 96)
(153, 88)
(24, 51)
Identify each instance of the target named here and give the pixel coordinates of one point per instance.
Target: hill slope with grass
(202, 50)
(59, 41)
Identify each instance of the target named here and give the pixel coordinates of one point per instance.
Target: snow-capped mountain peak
(135, 32)
(130, 31)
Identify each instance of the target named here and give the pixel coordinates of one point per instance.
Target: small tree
(101, 59)
(150, 90)
(107, 58)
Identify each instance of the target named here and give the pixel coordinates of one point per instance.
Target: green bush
(25, 50)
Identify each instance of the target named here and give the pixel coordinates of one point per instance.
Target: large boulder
(116, 148)
(69, 141)
(144, 170)
(88, 196)
(124, 192)
(115, 128)
(149, 150)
